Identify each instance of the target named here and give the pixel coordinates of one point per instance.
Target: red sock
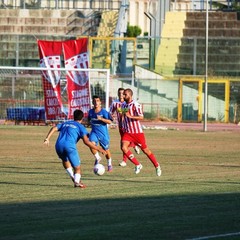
(153, 160)
(132, 158)
(125, 158)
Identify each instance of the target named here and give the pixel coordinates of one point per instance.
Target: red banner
(76, 56)
(50, 52)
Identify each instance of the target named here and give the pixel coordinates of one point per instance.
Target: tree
(133, 31)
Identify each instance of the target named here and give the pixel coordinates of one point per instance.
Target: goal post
(23, 96)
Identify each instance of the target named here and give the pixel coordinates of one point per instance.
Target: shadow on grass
(161, 217)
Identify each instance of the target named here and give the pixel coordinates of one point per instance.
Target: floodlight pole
(206, 75)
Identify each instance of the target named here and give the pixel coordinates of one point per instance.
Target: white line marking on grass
(216, 236)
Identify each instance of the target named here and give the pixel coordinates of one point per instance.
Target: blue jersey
(99, 131)
(70, 133)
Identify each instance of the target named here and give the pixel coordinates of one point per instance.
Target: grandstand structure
(23, 22)
(184, 33)
(20, 29)
(181, 55)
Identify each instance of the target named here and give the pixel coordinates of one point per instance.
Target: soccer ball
(99, 169)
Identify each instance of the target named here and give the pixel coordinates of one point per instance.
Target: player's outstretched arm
(50, 133)
(91, 145)
(107, 121)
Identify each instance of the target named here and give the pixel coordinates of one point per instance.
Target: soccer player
(131, 115)
(99, 118)
(116, 107)
(70, 132)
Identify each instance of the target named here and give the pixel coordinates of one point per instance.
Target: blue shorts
(68, 154)
(101, 140)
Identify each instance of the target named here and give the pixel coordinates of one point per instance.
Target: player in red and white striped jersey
(116, 108)
(132, 131)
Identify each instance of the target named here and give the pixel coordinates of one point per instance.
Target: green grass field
(197, 196)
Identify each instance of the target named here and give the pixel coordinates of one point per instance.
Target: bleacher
(106, 29)
(183, 52)
(170, 42)
(223, 44)
(19, 29)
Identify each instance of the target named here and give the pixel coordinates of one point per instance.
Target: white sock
(97, 156)
(77, 177)
(70, 172)
(109, 161)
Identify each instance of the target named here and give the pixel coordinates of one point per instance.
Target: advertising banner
(76, 57)
(50, 57)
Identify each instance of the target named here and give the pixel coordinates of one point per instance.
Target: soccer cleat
(79, 185)
(158, 171)
(123, 164)
(137, 149)
(138, 168)
(110, 168)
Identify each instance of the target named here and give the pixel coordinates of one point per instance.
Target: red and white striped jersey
(130, 125)
(115, 109)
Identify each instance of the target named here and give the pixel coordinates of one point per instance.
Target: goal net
(41, 95)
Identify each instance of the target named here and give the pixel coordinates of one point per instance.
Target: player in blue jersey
(99, 118)
(70, 132)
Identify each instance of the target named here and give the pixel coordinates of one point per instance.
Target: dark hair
(95, 96)
(120, 89)
(78, 115)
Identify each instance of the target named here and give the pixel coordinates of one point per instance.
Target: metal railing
(62, 4)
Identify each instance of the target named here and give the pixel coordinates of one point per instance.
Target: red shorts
(136, 138)
(121, 132)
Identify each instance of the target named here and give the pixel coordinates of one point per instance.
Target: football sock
(97, 156)
(132, 158)
(109, 162)
(70, 172)
(153, 160)
(77, 177)
(125, 158)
